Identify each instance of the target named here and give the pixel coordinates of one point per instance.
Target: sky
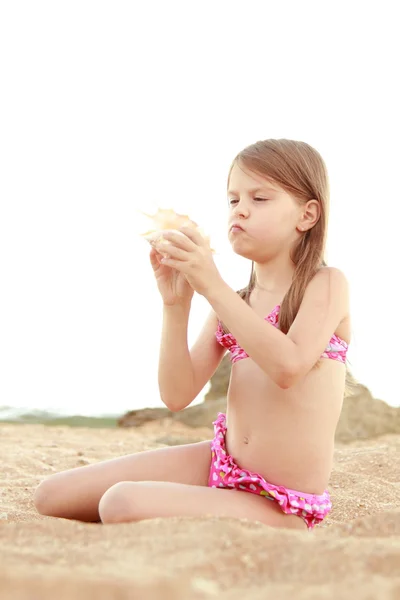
(110, 108)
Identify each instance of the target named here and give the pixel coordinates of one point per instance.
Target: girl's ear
(309, 216)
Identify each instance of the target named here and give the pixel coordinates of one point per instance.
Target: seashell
(167, 219)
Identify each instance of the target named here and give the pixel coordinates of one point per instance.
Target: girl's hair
(300, 170)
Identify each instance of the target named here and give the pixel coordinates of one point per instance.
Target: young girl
(287, 333)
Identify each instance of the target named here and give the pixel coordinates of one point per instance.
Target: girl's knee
(116, 504)
(44, 497)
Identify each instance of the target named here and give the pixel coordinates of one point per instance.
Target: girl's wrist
(178, 307)
(215, 289)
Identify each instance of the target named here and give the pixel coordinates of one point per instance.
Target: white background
(108, 108)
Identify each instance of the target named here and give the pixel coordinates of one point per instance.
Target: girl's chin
(242, 252)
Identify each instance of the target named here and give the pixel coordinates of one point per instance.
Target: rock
(219, 382)
(364, 417)
(135, 418)
(201, 415)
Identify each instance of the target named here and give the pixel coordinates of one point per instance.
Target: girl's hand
(171, 284)
(191, 256)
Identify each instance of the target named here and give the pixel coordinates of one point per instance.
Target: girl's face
(267, 215)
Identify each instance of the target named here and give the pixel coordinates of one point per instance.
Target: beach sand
(354, 554)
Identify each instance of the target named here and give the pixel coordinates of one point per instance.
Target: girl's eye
(234, 201)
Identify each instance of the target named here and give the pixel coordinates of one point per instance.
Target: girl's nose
(241, 210)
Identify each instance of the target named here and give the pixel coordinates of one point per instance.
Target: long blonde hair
(300, 170)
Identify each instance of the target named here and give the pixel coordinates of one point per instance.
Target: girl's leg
(76, 493)
(127, 501)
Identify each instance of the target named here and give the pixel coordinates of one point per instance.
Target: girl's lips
(236, 228)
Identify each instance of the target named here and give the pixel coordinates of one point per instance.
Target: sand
(354, 554)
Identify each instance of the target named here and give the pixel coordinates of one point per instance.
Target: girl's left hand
(191, 255)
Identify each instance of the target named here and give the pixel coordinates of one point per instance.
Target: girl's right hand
(172, 284)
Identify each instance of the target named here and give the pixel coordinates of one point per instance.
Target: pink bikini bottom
(225, 473)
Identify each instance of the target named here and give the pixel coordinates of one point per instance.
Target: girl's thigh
(134, 501)
(76, 493)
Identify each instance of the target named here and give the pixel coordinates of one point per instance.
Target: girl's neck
(274, 276)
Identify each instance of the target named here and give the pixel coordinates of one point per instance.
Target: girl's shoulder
(326, 298)
(340, 293)
(331, 272)
(331, 281)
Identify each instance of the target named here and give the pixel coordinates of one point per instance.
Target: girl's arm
(182, 374)
(286, 358)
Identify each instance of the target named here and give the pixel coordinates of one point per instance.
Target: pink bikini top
(336, 349)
